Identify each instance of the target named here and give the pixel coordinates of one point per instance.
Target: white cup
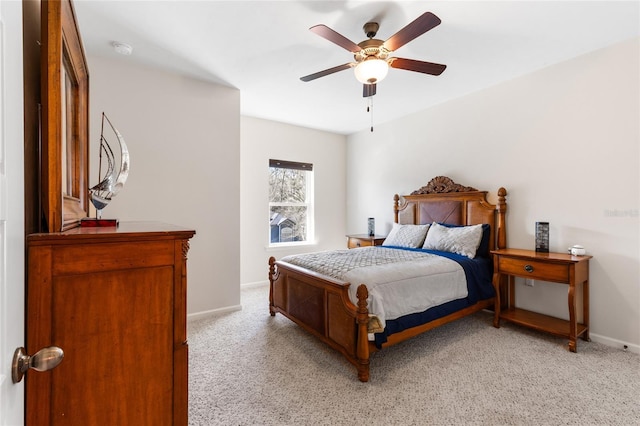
(577, 250)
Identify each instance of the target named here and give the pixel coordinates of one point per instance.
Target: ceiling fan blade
(421, 25)
(418, 66)
(368, 90)
(334, 37)
(326, 72)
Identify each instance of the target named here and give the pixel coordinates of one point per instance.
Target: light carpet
(248, 368)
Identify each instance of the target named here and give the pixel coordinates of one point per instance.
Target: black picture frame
(542, 237)
(371, 226)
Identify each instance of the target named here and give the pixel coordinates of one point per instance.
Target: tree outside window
(290, 201)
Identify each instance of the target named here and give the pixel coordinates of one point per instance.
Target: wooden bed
(321, 304)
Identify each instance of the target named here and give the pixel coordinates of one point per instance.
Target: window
(290, 202)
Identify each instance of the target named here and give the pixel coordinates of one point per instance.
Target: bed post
(362, 318)
(272, 272)
(396, 207)
(502, 211)
(501, 291)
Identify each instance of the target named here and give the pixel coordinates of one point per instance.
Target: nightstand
(552, 267)
(364, 240)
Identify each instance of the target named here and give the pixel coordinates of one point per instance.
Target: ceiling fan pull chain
(370, 110)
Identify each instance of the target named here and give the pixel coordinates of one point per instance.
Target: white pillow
(463, 240)
(410, 236)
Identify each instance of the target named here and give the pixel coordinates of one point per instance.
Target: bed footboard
(321, 305)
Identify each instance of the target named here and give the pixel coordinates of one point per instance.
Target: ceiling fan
(372, 56)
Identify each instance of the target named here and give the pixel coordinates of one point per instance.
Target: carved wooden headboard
(445, 201)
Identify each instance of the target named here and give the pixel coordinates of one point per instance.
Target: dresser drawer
(528, 268)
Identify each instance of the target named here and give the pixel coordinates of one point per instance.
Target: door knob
(43, 360)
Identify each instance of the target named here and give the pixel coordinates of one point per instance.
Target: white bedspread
(400, 282)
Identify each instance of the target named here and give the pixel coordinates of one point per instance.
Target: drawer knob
(528, 268)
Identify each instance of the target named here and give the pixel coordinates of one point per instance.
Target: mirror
(65, 118)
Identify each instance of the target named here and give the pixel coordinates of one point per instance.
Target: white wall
(184, 140)
(564, 141)
(262, 140)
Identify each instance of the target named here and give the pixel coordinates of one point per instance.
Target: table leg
(496, 305)
(585, 309)
(512, 291)
(573, 326)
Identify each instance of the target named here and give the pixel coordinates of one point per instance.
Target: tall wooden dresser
(114, 300)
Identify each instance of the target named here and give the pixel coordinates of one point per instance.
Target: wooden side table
(553, 267)
(364, 240)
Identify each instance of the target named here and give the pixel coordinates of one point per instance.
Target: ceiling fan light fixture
(372, 70)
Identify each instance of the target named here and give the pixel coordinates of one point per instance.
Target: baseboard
(615, 343)
(227, 309)
(254, 284)
(213, 312)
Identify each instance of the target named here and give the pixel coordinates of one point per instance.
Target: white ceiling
(264, 47)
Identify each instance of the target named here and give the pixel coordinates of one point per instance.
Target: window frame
(308, 203)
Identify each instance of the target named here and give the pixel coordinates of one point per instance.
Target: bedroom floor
(248, 368)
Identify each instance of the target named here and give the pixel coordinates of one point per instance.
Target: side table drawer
(358, 242)
(364, 240)
(534, 269)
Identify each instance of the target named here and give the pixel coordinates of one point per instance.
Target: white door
(11, 209)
